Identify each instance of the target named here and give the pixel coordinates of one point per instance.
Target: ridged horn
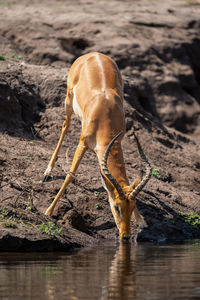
(107, 173)
(147, 176)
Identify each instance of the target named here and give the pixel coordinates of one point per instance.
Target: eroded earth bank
(157, 48)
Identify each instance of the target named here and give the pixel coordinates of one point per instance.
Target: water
(106, 272)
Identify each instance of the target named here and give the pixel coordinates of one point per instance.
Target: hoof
(48, 212)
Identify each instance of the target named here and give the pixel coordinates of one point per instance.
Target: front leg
(139, 218)
(80, 150)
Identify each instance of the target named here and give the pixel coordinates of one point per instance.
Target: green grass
(9, 223)
(9, 57)
(10, 218)
(99, 206)
(16, 56)
(96, 193)
(50, 229)
(4, 213)
(2, 57)
(7, 219)
(156, 173)
(31, 143)
(190, 218)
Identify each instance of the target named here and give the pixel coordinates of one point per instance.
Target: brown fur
(95, 82)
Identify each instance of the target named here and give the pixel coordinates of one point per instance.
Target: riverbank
(157, 48)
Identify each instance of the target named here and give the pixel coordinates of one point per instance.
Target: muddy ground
(157, 48)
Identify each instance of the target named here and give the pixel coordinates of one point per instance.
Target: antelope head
(123, 199)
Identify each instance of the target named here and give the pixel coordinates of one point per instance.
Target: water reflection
(122, 274)
(106, 272)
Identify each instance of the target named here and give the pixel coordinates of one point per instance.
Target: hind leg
(65, 126)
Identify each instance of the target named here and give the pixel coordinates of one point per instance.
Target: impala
(95, 93)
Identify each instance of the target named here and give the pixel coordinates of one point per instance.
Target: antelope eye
(117, 209)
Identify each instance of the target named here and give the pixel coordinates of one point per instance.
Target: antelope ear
(106, 184)
(107, 174)
(110, 189)
(135, 183)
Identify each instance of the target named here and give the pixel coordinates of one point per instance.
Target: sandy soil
(157, 48)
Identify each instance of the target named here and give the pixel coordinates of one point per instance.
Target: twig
(20, 194)
(7, 198)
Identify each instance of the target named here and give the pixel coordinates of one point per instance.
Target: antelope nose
(125, 238)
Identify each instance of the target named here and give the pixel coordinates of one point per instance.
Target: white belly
(76, 107)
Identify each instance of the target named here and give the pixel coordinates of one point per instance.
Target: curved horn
(107, 173)
(147, 176)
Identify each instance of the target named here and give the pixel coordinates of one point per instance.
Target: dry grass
(193, 2)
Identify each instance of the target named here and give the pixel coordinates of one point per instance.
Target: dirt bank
(157, 48)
